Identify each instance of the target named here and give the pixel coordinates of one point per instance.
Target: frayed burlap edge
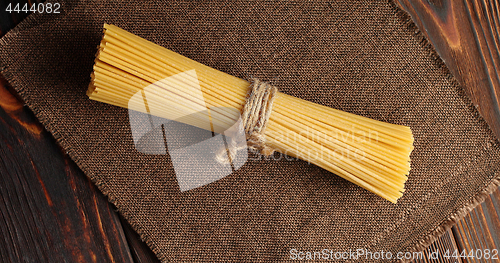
(71, 153)
(407, 22)
(434, 234)
(11, 78)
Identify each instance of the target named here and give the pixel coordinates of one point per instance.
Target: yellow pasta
(372, 154)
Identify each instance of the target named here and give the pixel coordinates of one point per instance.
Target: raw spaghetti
(372, 154)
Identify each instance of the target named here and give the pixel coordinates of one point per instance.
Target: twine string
(254, 119)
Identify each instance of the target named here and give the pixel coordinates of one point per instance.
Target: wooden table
(50, 211)
(466, 35)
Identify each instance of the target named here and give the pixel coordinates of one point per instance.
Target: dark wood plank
(466, 35)
(491, 217)
(140, 251)
(49, 210)
(84, 227)
(435, 252)
(7, 20)
(480, 229)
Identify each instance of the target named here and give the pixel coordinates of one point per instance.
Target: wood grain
(466, 35)
(434, 252)
(49, 210)
(7, 20)
(480, 229)
(140, 251)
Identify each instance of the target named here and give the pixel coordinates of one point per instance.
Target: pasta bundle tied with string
(371, 154)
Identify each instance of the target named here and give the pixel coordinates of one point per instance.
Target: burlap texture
(362, 57)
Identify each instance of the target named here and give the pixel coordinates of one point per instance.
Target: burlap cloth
(362, 57)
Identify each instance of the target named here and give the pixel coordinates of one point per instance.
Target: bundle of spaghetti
(371, 154)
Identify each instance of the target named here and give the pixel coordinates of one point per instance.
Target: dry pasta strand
(372, 154)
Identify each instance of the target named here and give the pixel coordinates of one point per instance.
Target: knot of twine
(254, 118)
